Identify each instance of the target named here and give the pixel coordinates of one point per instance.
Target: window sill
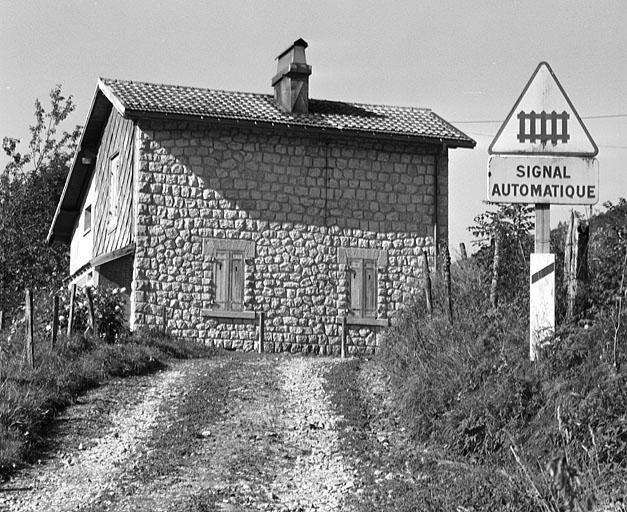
(217, 313)
(367, 321)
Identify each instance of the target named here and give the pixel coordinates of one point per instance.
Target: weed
(558, 427)
(30, 397)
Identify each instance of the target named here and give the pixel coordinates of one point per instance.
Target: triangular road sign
(543, 122)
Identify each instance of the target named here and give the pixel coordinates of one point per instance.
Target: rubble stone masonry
(297, 200)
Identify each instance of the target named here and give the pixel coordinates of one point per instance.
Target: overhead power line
(485, 121)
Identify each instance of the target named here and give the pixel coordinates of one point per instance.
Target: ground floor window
(363, 268)
(229, 280)
(363, 286)
(229, 276)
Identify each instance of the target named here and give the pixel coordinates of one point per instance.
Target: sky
(466, 60)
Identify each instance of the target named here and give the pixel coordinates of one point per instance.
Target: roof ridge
(176, 86)
(264, 95)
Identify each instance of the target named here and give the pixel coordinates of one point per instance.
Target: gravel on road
(233, 432)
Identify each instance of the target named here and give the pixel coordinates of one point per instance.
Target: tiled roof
(141, 97)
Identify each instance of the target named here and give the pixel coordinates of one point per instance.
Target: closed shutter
(370, 288)
(237, 281)
(221, 278)
(355, 284)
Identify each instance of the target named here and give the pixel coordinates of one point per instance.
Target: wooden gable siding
(117, 138)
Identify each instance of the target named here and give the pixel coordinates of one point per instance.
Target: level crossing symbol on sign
(543, 121)
(553, 127)
(543, 154)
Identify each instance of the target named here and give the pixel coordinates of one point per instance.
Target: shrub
(446, 374)
(109, 310)
(29, 397)
(559, 426)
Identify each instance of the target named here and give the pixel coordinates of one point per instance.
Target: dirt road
(236, 432)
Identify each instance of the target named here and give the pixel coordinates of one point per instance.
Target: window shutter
(237, 281)
(221, 278)
(370, 288)
(114, 168)
(87, 219)
(355, 280)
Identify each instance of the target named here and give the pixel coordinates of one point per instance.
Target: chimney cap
(299, 42)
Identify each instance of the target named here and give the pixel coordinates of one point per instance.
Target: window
(229, 280)
(87, 220)
(362, 278)
(114, 192)
(229, 257)
(362, 283)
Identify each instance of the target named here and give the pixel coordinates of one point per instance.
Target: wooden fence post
(575, 262)
(343, 338)
(70, 316)
(426, 282)
(583, 233)
(261, 331)
(90, 310)
(496, 267)
(462, 250)
(447, 281)
(28, 313)
(1, 327)
(1, 320)
(55, 320)
(570, 265)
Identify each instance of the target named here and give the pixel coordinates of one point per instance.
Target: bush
(109, 310)
(445, 373)
(29, 397)
(558, 426)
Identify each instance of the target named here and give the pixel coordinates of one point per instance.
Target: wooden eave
(77, 181)
(104, 100)
(113, 255)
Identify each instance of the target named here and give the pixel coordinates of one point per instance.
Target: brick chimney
(291, 82)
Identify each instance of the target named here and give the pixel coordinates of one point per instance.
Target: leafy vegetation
(558, 427)
(30, 397)
(30, 188)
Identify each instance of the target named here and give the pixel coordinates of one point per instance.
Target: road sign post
(543, 154)
(541, 301)
(543, 228)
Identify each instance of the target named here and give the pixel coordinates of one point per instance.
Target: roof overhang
(329, 132)
(105, 99)
(81, 170)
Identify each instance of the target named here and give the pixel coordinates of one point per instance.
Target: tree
(503, 235)
(30, 188)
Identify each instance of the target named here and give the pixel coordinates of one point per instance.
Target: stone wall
(298, 199)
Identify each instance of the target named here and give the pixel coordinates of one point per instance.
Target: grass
(556, 428)
(31, 397)
(423, 477)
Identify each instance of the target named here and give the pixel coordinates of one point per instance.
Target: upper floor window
(114, 188)
(87, 220)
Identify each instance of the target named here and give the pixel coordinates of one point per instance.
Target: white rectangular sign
(543, 179)
(541, 301)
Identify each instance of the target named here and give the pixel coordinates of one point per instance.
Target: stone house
(242, 216)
